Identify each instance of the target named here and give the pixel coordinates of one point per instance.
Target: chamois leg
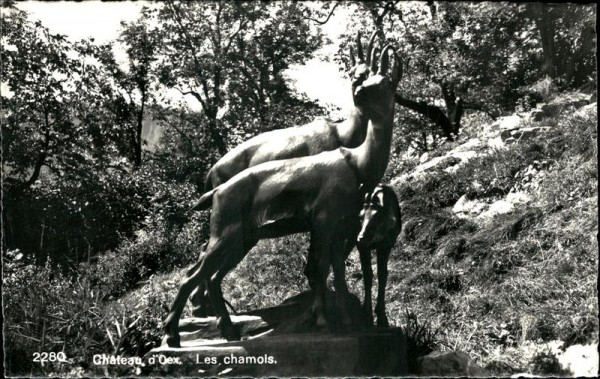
(320, 292)
(199, 299)
(311, 269)
(365, 265)
(338, 258)
(320, 248)
(234, 256)
(203, 269)
(200, 302)
(383, 256)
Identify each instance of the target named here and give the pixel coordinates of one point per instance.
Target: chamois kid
(381, 223)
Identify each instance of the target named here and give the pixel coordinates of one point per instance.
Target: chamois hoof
(382, 322)
(369, 322)
(344, 326)
(232, 334)
(172, 341)
(229, 331)
(200, 312)
(321, 321)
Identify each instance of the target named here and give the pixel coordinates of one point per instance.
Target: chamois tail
(205, 201)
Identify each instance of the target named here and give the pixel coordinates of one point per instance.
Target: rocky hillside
(499, 248)
(498, 253)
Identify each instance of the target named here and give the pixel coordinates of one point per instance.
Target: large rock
(471, 145)
(563, 102)
(507, 123)
(505, 134)
(468, 208)
(496, 143)
(523, 133)
(294, 315)
(501, 206)
(518, 198)
(451, 159)
(528, 133)
(536, 115)
(589, 110)
(580, 360)
(448, 363)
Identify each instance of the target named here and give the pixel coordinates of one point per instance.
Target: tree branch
(328, 16)
(193, 93)
(234, 34)
(178, 130)
(389, 6)
(432, 112)
(259, 96)
(186, 36)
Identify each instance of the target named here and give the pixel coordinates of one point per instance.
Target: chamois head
(376, 93)
(375, 216)
(360, 69)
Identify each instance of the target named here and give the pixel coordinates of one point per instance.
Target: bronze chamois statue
(381, 223)
(319, 194)
(300, 141)
(318, 136)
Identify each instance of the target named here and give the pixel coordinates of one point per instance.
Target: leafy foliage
(484, 56)
(230, 58)
(53, 118)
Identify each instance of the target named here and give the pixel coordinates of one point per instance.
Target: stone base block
(376, 352)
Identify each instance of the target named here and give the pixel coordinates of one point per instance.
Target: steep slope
(499, 249)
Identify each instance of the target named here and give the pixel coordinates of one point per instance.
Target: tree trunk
(456, 112)
(454, 106)
(540, 13)
(37, 168)
(432, 9)
(432, 112)
(139, 125)
(137, 144)
(215, 133)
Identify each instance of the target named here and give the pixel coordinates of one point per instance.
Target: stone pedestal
(282, 341)
(380, 353)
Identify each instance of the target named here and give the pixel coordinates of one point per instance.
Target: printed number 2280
(44, 357)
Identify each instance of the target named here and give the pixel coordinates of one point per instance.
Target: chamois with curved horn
(381, 223)
(319, 136)
(319, 194)
(299, 141)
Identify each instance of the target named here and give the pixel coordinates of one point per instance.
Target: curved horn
(373, 63)
(370, 47)
(396, 69)
(359, 50)
(384, 60)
